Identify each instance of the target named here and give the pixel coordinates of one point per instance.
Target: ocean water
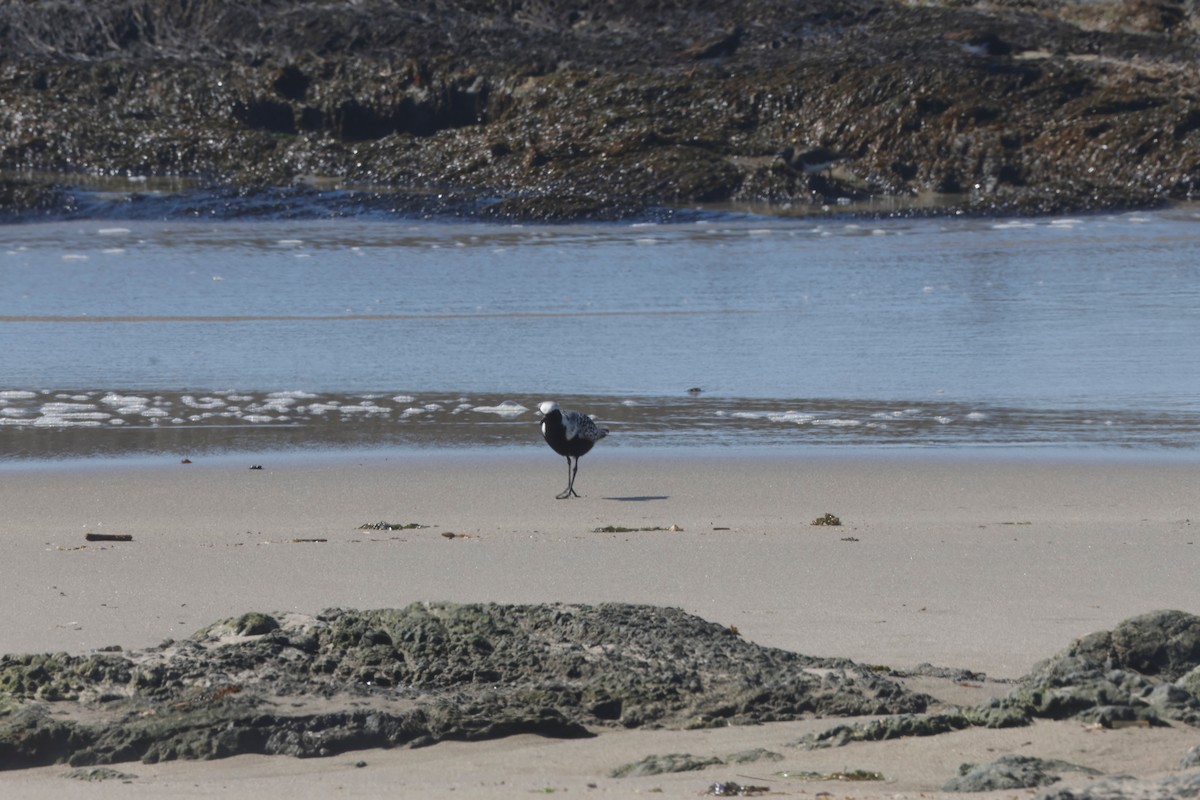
(1078, 334)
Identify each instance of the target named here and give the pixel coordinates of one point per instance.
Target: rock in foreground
(348, 680)
(1146, 671)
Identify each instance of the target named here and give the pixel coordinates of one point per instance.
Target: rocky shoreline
(350, 680)
(592, 110)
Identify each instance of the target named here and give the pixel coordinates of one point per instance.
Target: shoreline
(63, 197)
(65, 424)
(333, 456)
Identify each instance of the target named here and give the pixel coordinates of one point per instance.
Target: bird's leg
(570, 480)
(572, 485)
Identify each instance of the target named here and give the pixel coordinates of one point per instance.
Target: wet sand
(988, 564)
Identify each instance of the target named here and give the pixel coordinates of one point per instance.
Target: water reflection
(1075, 331)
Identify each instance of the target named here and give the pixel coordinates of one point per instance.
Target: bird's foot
(567, 494)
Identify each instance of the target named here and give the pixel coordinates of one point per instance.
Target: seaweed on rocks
(686, 762)
(346, 680)
(1011, 771)
(1144, 672)
(1127, 787)
(555, 110)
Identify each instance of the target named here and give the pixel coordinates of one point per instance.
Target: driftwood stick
(108, 537)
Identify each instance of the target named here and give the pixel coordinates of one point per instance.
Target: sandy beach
(989, 564)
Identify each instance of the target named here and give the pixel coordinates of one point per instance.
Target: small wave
(506, 409)
(114, 421)
(124, 400)
(202, 402)
(65, 421)
(54, 409)
(365, 407)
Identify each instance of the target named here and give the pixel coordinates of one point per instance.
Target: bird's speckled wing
(583, 426)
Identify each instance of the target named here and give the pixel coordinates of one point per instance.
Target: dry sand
(989, 564)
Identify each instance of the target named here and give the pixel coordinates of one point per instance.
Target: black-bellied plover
(570, 434)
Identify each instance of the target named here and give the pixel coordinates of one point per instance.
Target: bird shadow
(640, 498)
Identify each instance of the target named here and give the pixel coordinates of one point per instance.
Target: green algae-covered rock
(344, 680)
(58, 676)
(1127, 787)
(686, 762)
(1164, 644)
(662, 764)
(1190, 682)
(1094, 680)
(1137, 672)
(1011, 772)
(885, 728)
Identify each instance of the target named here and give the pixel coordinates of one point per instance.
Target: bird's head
(546, 406)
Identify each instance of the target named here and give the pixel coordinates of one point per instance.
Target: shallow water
(185, 336)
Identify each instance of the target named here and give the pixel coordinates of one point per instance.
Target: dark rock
(721, 46)
(350, 680)
(1094, 680)
(1010, 772)
(751, 756)
(254, 624)
(950, 673)
(1162, 643)
(267, 115)
(887, 728)
(1172, 787)
(659, 765)
(686, 762)
(1191, 758)
(291, 83)
(99, 774)
(1141, 671)
(22, 199)
(605, 110)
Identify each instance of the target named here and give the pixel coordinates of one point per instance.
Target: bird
(570, 434)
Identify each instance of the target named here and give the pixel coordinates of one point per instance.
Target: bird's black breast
(555, 434)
